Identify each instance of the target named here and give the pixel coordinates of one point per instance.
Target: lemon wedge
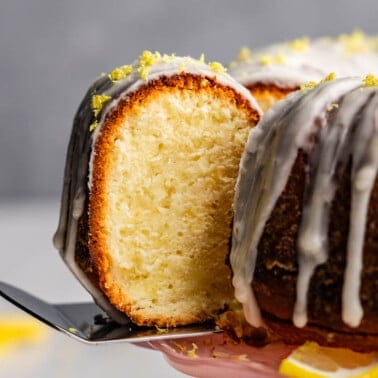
(16, 330)
(313, 361)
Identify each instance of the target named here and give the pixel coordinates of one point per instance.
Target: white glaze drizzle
(364, 171)
(322, 55)
(313, 233)
(265, 167)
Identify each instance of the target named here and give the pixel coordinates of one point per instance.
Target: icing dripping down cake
(305, 237)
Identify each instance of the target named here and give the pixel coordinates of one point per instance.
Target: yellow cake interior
(170, 187)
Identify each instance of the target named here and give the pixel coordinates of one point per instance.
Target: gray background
(50, 51)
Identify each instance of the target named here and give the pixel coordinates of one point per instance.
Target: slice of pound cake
(150, 174)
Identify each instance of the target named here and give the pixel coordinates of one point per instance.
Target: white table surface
(29, 261)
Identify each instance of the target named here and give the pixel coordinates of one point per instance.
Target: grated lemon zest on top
(312, 84)
(232, 64)
(331, 76)
(98, 102)
(267, 60)
(308, 85)
(370, 81)
(146, 60)
(120, 73)
(93, 126)
(217, 67)
(244, 54)
(356, 42)
(300, 45)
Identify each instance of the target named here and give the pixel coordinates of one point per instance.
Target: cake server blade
(86, 322)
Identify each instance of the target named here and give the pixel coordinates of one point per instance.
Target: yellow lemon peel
(300, 45)
(98, 102)
(93, 126)
(370, 80)
(146, 60)
(308, 85)
(244, 54)
(313, 361)
(356, 42)
(331, 76)
(312, 84)
(217, 67)
(192, 353)
(120, 73)
(267, 60)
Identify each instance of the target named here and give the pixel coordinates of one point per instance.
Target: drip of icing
(313, 232)
(265, 167)
(364, 171)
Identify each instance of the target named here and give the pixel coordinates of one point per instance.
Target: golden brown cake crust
(276, 272)
(268, 94)
(99, 256)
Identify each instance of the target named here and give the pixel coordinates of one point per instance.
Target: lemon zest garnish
(308, 85)
(144, 71)
(232, 64)
(331, 76)
(267, 60)
(161, 330)
(217, 67)
(180, 347)
(98, 102)
(146, 60)
(202, 58)
(168, 58)
(72, 330)
(120, 73)
(355, 42)
(93, 126)
(370, 81)
(300, 45)
(192, 353)
(244, 54)
(280, 59)
(312, 84)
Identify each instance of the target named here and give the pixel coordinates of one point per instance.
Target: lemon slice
(16, 330)
(312, 361)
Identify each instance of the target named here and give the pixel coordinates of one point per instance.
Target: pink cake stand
(219, 356)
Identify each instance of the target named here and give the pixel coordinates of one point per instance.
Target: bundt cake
(305, 237)
(151, 167)
(272, 72)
